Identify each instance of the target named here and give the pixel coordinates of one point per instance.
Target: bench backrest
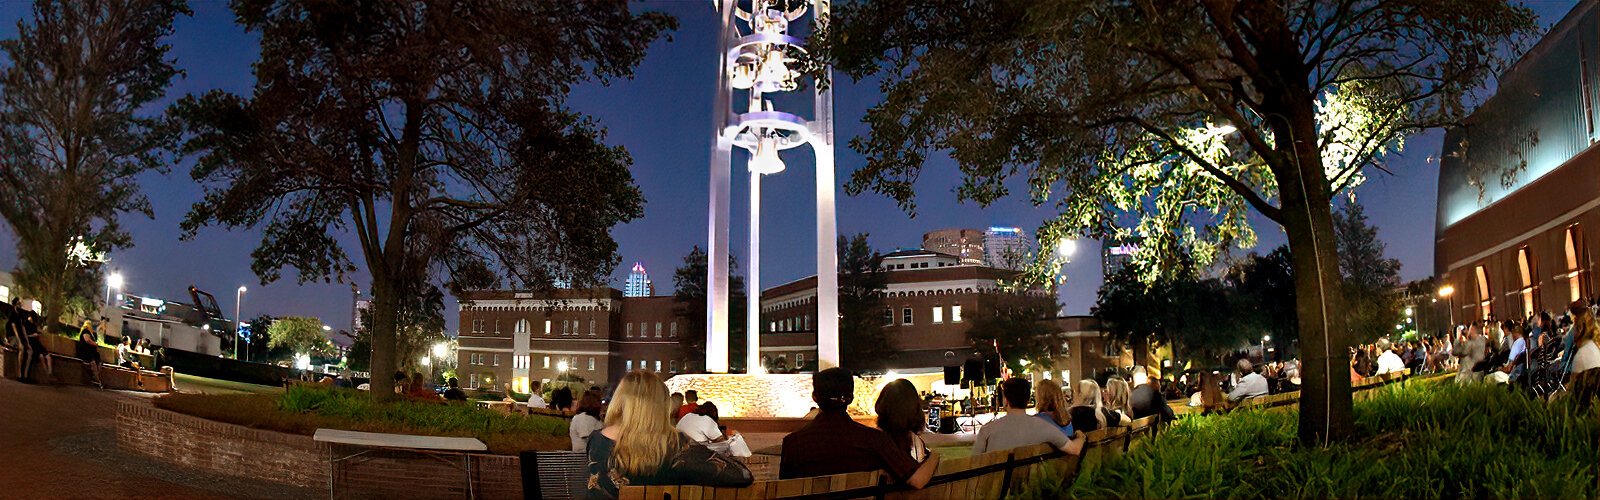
(1140, 429)
(556, 475)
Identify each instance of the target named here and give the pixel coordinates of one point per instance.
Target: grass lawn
(304, 409)
(1424, 440)
(202, 385)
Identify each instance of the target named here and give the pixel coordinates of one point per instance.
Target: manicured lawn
(304, 409)
(203, 385)
(1424, 440)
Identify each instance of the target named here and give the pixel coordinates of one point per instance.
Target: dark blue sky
(663, 118)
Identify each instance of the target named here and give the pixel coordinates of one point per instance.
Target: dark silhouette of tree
(1370, 279)
(1202, 319)
(689, 297)
(432, 131)
(862, 282)
(1182, 116)
(1020, 324)
(76, 95)
(1266, 285)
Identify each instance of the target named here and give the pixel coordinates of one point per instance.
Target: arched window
(1525, 272)
(1485, 301)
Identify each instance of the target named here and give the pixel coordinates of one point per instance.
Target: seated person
(1090, 413)
(89, 353)
(420, 388)
(561, 400)
(536, 395)
(454, 393)
(1050, 404)
(1252, 384)
(691, 403)
(902, 417)
(703, 428)
(1147, 400)
(1017, 428)
(833, 443)
(585, 420)
(639, 445)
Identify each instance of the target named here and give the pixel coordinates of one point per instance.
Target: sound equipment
(991, 369)
(952, 375)
(972, 370)
(947, 424)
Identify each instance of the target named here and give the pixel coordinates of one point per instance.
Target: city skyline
(669, 139)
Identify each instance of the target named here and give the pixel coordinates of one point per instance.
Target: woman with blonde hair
(1091, 413)
(1583, 381)
(1051, 405)
(639, 445)
(1118, 396)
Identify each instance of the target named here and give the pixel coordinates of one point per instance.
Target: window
(1525, 271)
(591, 329)
(938, 314)
(497, 326)
(808, 322)
(672, 366)
(521, 327)
(644, 330)
(472, 381)
(799, 360)
(497, 360)
(888, 317)
(630, 330)
(547, 362)
(772, 326)
(658, 329)
(905, 316)
(673, 330)
(566, 327)
(955, 313)
(547, 327)
(477, 326)
(630, 365)
(1485, 301)
(658, 365)
(591, 363)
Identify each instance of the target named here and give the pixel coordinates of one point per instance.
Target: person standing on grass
(833, 443)
(1017, 428)
(639, 445)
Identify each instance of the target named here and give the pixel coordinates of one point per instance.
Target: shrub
(1425, 440)
(302, 409)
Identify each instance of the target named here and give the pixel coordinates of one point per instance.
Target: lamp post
(238, 304)
(1264, 340)
(113, 281)
(1448, 293)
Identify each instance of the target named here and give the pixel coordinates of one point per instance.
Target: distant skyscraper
(638, 284)
(1115, 255)
(1007, 248)
(964, 243)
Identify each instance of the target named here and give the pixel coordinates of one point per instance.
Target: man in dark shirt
(454, 393)
(835, 444)
(1147, 400)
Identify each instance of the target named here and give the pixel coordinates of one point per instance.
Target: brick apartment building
(1510, 250)
(514, 337)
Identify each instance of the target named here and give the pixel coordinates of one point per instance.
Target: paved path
(59, 442)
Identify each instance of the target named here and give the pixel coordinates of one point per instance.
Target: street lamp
(1448, 293)
(238, 303)
(1065, 248)
(440, 349)
(113, 281)
(1264, 340)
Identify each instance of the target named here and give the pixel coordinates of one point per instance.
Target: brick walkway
(59, 442)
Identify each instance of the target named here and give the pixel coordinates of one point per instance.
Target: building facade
(638, 284)
(513, 338)
(1115, 255)
(1007, 248)
(965, 244)
(1519, 184)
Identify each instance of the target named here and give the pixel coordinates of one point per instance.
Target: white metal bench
(432, 446)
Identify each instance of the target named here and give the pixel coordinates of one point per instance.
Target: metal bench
(433, 447)
(554, 475)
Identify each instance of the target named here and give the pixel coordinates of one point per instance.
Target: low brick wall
(298, 460)
(219, 447)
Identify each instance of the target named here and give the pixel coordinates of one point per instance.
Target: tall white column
(721, 191)
(827, 262)
(752, 357)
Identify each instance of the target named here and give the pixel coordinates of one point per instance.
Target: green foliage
(304, 408)
(1266, 285)
(861, 284)
(1201, 318)
(1423, 440)
(1370, 279)
(76, 92)
(298, 334)
(436, 132)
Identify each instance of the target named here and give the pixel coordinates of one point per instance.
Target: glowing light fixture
(765, 161)
(440, 349)
(1446, 291)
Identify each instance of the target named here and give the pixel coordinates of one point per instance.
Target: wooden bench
(434, 447)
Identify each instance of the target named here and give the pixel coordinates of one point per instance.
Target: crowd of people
(24, 331)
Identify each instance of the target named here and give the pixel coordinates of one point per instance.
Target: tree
(298, 334)
(1370, 279)
(1018, 324)
(1183, 116)
(434, 131)
(261, 346)
(1199, 318)
(1266, 285)
(862, 282)
(75, 133)
(689, 302)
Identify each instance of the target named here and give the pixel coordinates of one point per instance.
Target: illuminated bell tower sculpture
(756, 58)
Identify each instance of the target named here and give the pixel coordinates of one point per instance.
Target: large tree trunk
(384, 307)
(1325, 407)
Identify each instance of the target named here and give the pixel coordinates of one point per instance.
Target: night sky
(662, 117)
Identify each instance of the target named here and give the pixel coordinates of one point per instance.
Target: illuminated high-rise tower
(638, 284)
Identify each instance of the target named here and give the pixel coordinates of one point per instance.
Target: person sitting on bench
(833, 443)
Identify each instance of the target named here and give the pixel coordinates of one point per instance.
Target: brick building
(512, 337)
(1508, 249)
